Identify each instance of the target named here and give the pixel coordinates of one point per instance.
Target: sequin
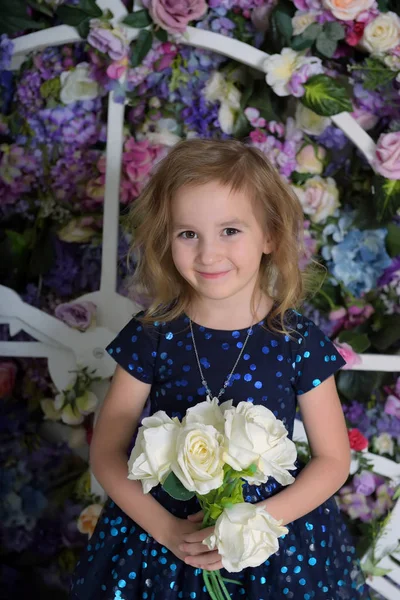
(121, 561)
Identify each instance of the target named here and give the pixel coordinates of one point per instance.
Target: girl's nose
(209, 253)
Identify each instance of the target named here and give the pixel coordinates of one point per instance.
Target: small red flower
(355, 33)
(357, 441)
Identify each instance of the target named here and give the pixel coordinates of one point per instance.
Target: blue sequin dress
(316, 559)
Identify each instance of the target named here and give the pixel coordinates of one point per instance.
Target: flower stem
(210, 587)
(220, 582)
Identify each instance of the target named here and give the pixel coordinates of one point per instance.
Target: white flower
(154, 450)
(88, 519)
(382, 34)
(77, 84)
(310, 159)
(245, 536)
(383, 444)
(393, 62)
(164, 133)
(319, 197)
(302, 19)
(253, 435)
(87, 403)
(209, 412)
(50, 411)
(281, 67)
(199, 465)
(309, 122)
(347, 10)
(218, 88)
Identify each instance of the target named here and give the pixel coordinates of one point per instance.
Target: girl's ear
(269, 245)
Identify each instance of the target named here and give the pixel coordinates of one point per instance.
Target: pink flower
(8, 372)
(392, 406)
(117, 69)
(347, 352)
(174, 15)
(78, 315)
(387, 161)
(354, 32)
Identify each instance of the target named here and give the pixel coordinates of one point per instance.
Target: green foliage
(325, 96)
(79, 16)
(325, 37)
(141, 47)
(138, 19)
(14, 17)
(176, 489)
(358, 341)
(375, 73)
(386, 197)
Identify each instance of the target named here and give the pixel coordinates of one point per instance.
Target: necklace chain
(203, 379)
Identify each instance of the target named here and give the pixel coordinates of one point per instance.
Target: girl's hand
(185, 542)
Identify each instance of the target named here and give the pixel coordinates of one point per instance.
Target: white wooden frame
(65, 348)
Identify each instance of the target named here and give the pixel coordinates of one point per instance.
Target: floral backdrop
(325, 57)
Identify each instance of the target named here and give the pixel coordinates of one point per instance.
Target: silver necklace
(203, 379)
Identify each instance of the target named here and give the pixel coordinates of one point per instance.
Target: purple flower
(78, 315)
(364, 483)
(392, 273)
(108, 41)
(6, 50)
(392, 406)
(301, 76)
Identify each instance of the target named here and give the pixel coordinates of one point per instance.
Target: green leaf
(241, 127)
(10, 24)
(299, 43)
(19, 242)
(141, 47)
(176, 489)
(326, 46)
(160, 34)
(358, 341)
(389, 333)
(393, 239)
(90, 8)
(325, 96)
(50, 88)
(375, 74)
(358, 384)
(300, 178)
(138, 19)
(70, 15)
(284, 24)
(388, 195)
(383, 5)
(43, 8)
(334, 30)
(83, 28)
(312, 31)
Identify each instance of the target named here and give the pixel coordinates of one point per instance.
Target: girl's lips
(213, 275)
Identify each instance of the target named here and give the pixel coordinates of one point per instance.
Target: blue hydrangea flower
(6, 50)
(359, 260)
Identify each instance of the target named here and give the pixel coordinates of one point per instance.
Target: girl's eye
(188, 235)
(231, 231)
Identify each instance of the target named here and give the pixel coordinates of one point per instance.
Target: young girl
(217, 234)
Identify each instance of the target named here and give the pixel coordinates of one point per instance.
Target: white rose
(310, 159)
(383, 444)
(302, 19)
(254, 436)
(154, 450)
(347, 10)
(209, 412)
(382, 34)
(199, 465)
(246, 535)
(319, 197)
(77, 84)
(309, 122)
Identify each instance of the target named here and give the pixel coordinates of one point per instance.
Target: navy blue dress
(316, 559)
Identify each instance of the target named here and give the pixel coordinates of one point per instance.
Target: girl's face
(217, 240)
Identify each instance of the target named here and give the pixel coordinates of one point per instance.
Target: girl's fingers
(198, 536)
(194, 549)
(196, 517)
(203, 561)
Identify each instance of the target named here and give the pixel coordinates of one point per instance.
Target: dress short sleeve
(315, 356)
(135, 349)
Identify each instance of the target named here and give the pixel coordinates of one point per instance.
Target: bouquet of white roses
(210, 453)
